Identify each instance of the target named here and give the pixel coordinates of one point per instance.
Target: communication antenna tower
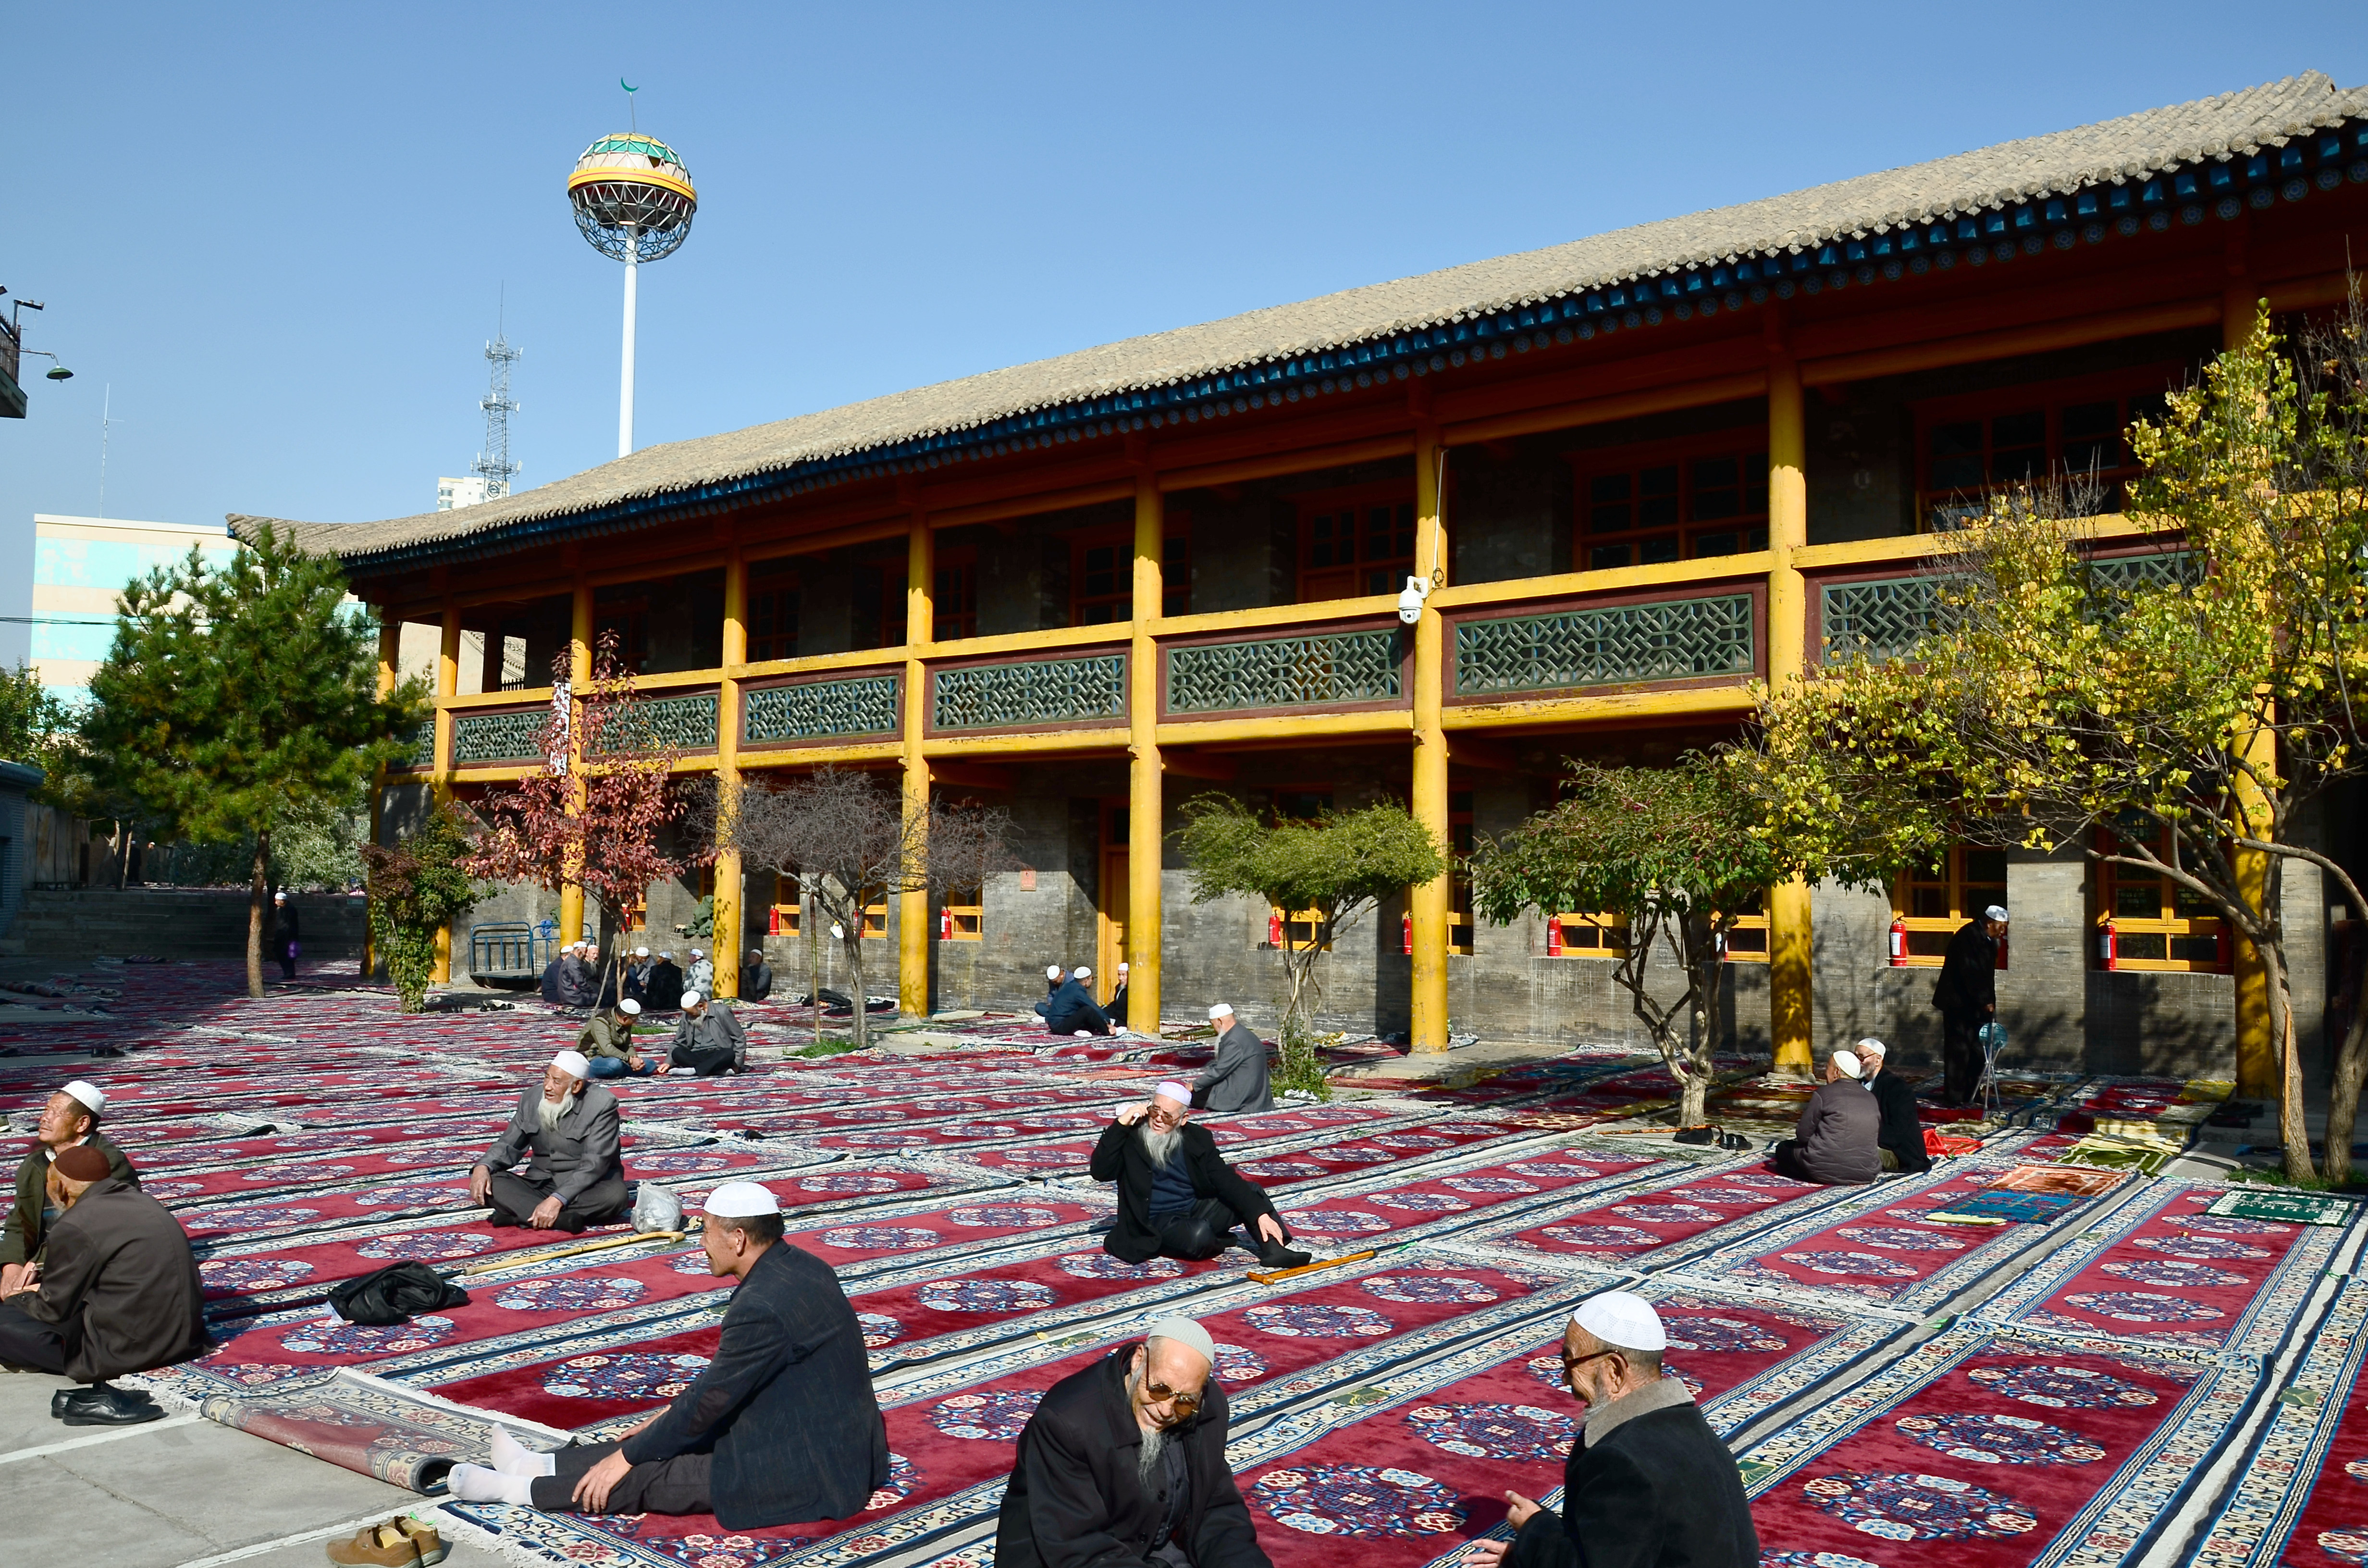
(493, 463)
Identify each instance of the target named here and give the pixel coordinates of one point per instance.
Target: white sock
(475, 1484)
(514, 1458)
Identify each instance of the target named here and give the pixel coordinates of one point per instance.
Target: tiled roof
(2257, 143)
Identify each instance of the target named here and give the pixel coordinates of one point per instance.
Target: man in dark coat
(1648, 1484)
(661, 992)
(1115, 1008)
(1833, 1143)
(1902, 1130)
(756, 977)
(116, 1293)
(1235, 1078)
(1175, 1195)
(71, 1117)
(780, 1428)
(1123, 1465)
(1966, 994)
(284, 945)
(553, 974)
(571, 1126)
(1071, 1008)
(707, 1042)
(579, 980)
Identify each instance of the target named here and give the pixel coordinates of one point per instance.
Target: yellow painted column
(579, 672)
(390, 645)
(725, 943)
(2260, 1064)
(1145, 798)
(447, 682)
(1789, 944)
(913, 931)
(1431, 902)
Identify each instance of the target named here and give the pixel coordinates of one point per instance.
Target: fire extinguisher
(1274, 931)
(773, 921)
(1406, 933)
(1898, 944)
(2109, 946)
(945, 925)
(1553, 936)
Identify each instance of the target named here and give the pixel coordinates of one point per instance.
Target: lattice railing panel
(1676, 641)
(1044, 691)
(864, 706)
(421, 746)
(1881, 619)
(1288, 672)
(497, 737)
(2128, 574)
(686, 724)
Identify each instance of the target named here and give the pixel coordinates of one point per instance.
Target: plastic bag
(655, 1207)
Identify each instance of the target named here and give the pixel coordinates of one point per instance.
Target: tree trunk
(2293, 1131)
(258, 905)
(1694, 1099)
(861, 1031)
(2344, 1095)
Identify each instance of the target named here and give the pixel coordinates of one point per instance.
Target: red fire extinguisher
(1406, 933)
(945, 925)
(773, 921)
(1274, 930)
(1898, 944)
(1554, 937)
(2109, 946)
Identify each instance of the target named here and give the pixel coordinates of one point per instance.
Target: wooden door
(1109, 947)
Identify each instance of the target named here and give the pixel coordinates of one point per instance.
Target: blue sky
(280, 233)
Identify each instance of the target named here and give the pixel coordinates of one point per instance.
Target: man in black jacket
(780, 1428)
(1070, 1010)
(1902, 1130)
(284, 935)
(756, 977)
(1175, 1195)
(1123, 1466)
(661, 992)
(1966, 994)
(1648, 1484)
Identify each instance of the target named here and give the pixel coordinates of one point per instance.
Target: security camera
(1410, 602)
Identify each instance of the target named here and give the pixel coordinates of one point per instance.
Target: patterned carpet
(2107, 1375)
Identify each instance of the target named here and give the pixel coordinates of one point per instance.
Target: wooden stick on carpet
(600, 1246)
(1272, 1276)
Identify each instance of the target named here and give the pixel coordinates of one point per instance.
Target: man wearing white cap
(1966, 993)
(1833, 1143)
(1115, 1008)
(1236, 1077)
(1176, 1196)
(755, 976)
(1901, 1130)
(571, 1126)
(1124, 1464)
(70, 1118)
(702, 977)
(709, 1041)
(1070, 1010)
(662, 992)
(780, 1428)
(637, 976)
(1648, 1484)
(606, 1041)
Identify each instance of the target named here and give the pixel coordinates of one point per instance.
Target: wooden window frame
(1592, 935)
(633, 640)
(1956, 886)
(767, 593)
(2202, 934)
(1747, 524)
(1747, 939)
(789, 912)
(1942, 507)
(1175, 553)
(1360, 501)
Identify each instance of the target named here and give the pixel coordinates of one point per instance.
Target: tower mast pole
(625, 388)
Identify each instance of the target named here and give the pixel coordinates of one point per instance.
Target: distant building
(452, 494)
(80, 565)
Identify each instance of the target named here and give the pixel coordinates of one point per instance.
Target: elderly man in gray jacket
(571, 1126)
(708, 1041)
(1235, 1078)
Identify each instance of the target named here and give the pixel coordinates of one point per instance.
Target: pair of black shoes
(1271, 1255)
(103, 1404)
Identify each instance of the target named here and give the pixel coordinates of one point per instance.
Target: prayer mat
(2003, 1452)
(2160, 1272)
(2056, 1178)
(361, 1422)
(1668, 1212)
(2302, 1207)
(2019, 1208)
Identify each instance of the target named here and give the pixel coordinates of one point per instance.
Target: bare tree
(848, 839)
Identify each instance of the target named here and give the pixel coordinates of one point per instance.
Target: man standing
(1236, 1077)
(662, 992)
(283, 935)
(756, 977)
(606, 1042)
(1966, 994)
(1833, 1143)
(70, 1119)
(578, 1178)
(709, 1041)
(1175, 1197)
(1648, 1484)
(1901, 1130)
(780, 1428)
(1124, 1464)
(116, 1292)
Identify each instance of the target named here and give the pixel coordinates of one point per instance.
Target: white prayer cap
(665, 952)
(88, 1094)
(1169, 1089)
(692, 999)
(1081, 972)
(1122, 966)
(1624, 1319)
(1222, 1011)
(641, 952)
(1184, 1331)
(1053, 971)
(739, 1200)
(629, 1007)
(1995, 912)
(698, 952)
(279, 898)
(1871, 1047)
(1849, 1063)
(573, 1063)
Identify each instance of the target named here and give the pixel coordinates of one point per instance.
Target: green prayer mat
(2304, 1207)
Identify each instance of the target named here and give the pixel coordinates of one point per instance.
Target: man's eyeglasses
(1185, 1400)
(1159, 1117)
(1571, 1363)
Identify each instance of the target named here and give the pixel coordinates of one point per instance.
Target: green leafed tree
(417, 886)
(241, 698)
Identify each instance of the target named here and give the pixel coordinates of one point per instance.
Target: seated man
(1235, 1078)
(637, 976)
(1125, 1463)
(579, 982)
(756, 977)
(1902, 1133)
(1648, 1484)
(70, 1119)
(1175, 1195)
(663, 991)
(606, 1042)
(1054, 977)
(709, 1041)
(579, 1176)
(780, 1428)
(700, 976)
(116, 1292)
(551, 972)
(1070, 1010)
(1833, 1143)
(1115, 1008)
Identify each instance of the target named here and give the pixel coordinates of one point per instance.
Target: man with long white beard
(1175, 1195)
(1123, 1463)
(570, 1125)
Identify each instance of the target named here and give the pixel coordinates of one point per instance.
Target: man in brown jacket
(70, 1118)
(1834, 1143)
(116, 1293)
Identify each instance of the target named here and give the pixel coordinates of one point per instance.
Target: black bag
(395, 1294)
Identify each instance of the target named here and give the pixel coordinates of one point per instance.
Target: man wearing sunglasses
(1123, 1466)
(1648, 1484)
(1175, 1197)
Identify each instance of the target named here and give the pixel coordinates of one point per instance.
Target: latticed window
(772, 614)
(2157, 924)
(1101, 578)
(1933, 901)
(1968, 449)
(953, 602)
(1672, 505)
(1356, 542)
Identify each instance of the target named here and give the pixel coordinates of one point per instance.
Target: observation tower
(633, 201)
